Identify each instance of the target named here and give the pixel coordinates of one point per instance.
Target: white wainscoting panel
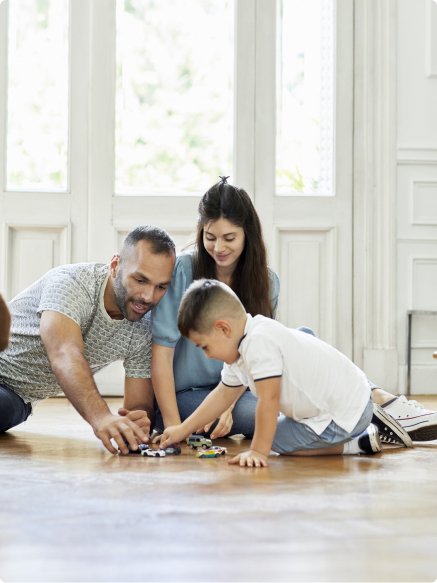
(424, 283)
(417, 290)
(424, 199)
(31, 250)
(417, 198)
(307, 259)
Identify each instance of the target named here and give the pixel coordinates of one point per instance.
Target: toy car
(214, 451)
(172, 450)
(141, 447)
(196, 441)
(154, 452)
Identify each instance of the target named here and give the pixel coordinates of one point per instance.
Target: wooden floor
(72, 512)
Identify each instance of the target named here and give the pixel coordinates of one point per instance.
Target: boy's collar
(246, 327)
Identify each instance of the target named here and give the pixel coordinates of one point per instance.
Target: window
(37, 102)
(174, 94)
(305, 101)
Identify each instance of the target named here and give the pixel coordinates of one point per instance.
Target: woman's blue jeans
(243, 413)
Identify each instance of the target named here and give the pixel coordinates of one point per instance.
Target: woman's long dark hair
(250, 280)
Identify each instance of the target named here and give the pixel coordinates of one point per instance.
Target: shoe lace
(414, 404)
(390, 439)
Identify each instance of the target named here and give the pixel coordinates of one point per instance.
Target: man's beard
(122, 299)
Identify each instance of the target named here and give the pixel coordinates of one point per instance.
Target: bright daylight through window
(37, 99)
(175, 91)
(305, 97)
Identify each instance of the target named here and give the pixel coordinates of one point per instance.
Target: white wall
(417, 188)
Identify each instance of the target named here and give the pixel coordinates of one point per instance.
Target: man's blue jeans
(13, 410)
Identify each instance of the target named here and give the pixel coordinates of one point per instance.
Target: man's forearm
(75, 378)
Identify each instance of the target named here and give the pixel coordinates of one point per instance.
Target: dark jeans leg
(13, 410)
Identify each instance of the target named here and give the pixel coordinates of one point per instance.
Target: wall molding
(423, 202)
(59, 233)
(308, 267)
(417, 155)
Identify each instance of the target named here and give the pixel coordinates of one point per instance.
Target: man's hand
(223, 426)
(128, 428)
(250, 459)
(139, 417)
(172, 435)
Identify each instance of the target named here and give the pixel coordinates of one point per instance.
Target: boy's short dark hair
(205, 301)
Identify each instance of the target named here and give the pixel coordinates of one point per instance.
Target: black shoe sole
(424, 433)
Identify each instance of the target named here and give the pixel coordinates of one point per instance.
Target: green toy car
(196, 441)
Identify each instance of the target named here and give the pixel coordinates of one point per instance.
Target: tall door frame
(309, 237)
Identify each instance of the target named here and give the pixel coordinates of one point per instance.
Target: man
(79, 318)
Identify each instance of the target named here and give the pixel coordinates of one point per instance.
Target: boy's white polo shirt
(319, 384)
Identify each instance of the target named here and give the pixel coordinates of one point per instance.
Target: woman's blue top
(191, 368)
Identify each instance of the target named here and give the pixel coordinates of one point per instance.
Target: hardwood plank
(72, 512)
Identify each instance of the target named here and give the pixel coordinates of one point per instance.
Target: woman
(229, 247)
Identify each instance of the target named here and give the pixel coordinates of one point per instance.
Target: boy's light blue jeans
(294, 436)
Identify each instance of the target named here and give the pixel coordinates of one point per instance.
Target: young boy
(323, 397)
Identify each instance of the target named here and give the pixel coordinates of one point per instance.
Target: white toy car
(154, 452)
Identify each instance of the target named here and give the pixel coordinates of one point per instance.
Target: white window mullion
(80, 27)
(101, 236)
(265, 108)
(244, 136)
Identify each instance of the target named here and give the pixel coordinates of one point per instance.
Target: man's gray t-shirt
(77, 292)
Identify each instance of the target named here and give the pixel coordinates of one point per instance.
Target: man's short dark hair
(159, 239)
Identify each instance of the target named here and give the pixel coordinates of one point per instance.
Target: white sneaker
(390, 431)
(419, 422)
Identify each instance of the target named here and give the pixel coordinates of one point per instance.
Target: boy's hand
(172, 435)
(250, 459)
(223, 426)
